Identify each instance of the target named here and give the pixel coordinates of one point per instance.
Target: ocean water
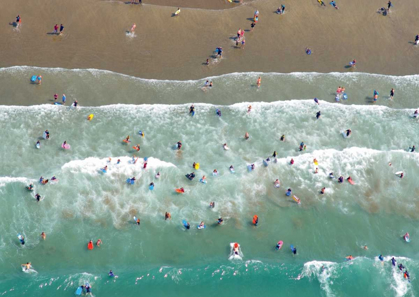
(161, 257)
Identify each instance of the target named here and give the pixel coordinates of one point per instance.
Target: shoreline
(175, 48)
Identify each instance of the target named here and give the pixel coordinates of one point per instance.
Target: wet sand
(168, 47)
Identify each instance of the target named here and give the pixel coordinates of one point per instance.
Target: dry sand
(167, 47)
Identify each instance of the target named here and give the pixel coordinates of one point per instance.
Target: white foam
(7, 179)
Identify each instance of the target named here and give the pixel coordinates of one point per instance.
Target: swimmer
(220, 221)
(292, 161)
(167, 216)
(215, 172)
(317, 170)
(277, 183)
(231, 168)
(27, 266)
(43, 236)
(350, 257)
(137, 148)
(118, 161)
(392, 93)
(322, 191)
(38, 197)
(274, 154)
(348, 132)
(294, 250)
(179, 145)
(105, 168)
(340, 179)
(301, 147)
(133, 28)
(202, 224)
(406, 236)
(30, 187)
(317, 101)
(318, 114)
(158, 175)
(412, 149)
(212, 204)
(138, 221)
(127, 139)
(98, 242)
(331, 175)
(259, 82)
(225, 146)
(192, 109)
(249, 108)
(401, 267)
(246, 135)
(282, 137)
(22, 240)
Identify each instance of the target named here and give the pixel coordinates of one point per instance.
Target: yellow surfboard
(90, 117)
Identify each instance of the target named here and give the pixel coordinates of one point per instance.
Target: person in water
(137, 148)
(322, 190)
(38, 197)
(138, 221)
(151, 184)
(43, 236)
(98, 242)
(274, 154)
(220, 221)
(277, 183)
(202, 224)
(105, 168)
(401, 267)
(225, 146)
(331, 175)
(111, 274)
(318, 114)
(132, 179)
(381, 258)
(167, 216)
(118, 161)
(38, 143)
(246, 135)
(340, 179)
(46, 134)
(188, 226)
(288, 193)
(317, 170)
(350, 257)
(249, 108)
(179, 145)
(30, 187)
(218, 112)
(212, 204)
(375, 95)
(192, 109)
(88, 289)
(348, 132)
(252, 166)
(282, 137)
(412, 149)
(158, 175)
(292, 161)
(231, 168)
(54, 178)
(416, 113)
(393, 262)
(22, 240)
(302, 146)
(401, 175)
(392, 93)
(317, 101)
(27, 266)
(215, 172)
(145, 165)
(294, 250)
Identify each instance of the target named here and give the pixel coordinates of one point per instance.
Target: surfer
(220, 221)
(43, 236)
(294, 250)
(317, 101)
(22, 240)
(406, 275)
(225, 146)
(348, 132)
(179, 145)
(98, 242)
(38, 197)
(138, 221)
(340, 179)
(401, 267)
(167, 216)
(63, 98)
(192, 109)
(318, 114)
(392, 93)
(274, 154)
(282, 137)
(259, 82)
(292, 161)
(127, 139)
(277, 183)
(27, 266)
(331, 175)
(350, 257)
(246, 135)
(30, 187)
(157, 175)
(393, 262)
(249, 108)
(322, 190)
(412, 149)
(212, 204)
(255, 220)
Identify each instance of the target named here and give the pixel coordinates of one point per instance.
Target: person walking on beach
(61, 29)
(417, 40)
(56, 29)
(18, 21)
(63, 98)
(389, 4)
(252, 26)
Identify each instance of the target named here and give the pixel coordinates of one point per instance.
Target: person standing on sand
(389, 4)
(252, 26)
(56, 29)
(61, 29)
(207, 62)
(417, 40)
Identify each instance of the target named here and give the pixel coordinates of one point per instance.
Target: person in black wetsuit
(318, 114)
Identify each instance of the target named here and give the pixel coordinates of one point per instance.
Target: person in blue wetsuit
(393, 262)
(288, 193)
(294, 250)
(381, 258)
(192, 109)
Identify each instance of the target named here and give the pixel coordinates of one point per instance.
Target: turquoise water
(161, 257)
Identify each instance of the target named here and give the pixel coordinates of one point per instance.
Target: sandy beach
(168, 47)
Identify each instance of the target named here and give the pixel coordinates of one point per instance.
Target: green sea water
(160, 257)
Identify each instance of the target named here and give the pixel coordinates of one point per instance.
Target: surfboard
(179, 191)
(296, 199)
(79, 291)
(344, 134)
(90, 117)
(398, 172)
(201, 227)
(20, 237)
(203, 181)
(135, 219)
(130, 182)
(351, 182)
(33, 78)
(38, 146)
(66, 146)
(151, 187)
(57, 103)
(316, 163)
(265, 163)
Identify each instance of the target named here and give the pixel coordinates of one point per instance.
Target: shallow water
(162, 257)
